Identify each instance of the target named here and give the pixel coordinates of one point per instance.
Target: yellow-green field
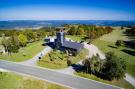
(114, 35)
(14, 81)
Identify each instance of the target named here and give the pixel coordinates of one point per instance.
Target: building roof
(73, 45)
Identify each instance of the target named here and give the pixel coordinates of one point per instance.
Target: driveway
(33, 61)
(56, 77)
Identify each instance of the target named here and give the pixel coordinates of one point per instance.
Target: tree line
(13, 40)
(91, 31)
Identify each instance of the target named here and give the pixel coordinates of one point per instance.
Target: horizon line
(63, 20)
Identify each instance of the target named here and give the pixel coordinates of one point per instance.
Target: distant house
(61, 43)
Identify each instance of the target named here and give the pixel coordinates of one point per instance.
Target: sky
(67, 9)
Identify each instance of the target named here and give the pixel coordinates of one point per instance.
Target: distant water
(16, 24)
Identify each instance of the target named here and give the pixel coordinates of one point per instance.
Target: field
(76, 38)
(24, 53)
(107, 43)
(120, 83)
(60, 59)
(10, 80)
(114, 35)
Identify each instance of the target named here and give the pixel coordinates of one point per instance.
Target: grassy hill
(106, 43)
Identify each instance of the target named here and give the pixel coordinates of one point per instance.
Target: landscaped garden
(58, 60)
(24, 53)
(10, 80)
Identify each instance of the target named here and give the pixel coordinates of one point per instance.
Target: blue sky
(67, 10)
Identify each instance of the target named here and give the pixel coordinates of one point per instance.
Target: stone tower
(60, 38)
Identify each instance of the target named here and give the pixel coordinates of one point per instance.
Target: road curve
(68, 80)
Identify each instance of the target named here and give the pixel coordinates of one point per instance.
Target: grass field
(30, 50)
(14, 81)
(76, 38)
(114, 35)
(60, 60)
(121, 83)
(106, 45)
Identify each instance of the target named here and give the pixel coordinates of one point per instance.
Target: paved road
(68, 80)
(130, 79)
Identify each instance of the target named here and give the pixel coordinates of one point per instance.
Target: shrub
(93, 65)
(119, 43)
(69, 61)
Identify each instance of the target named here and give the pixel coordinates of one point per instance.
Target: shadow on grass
(130, 44)
(112, 46)
(129, 52)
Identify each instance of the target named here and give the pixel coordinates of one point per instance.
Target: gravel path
(33, 61)
(93, 50)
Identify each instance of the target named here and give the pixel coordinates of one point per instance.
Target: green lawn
(30, 50)
(106, 45)
(120, 83)
(76, 38)
(60, 60)
(14, 81)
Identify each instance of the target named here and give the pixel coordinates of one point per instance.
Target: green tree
(80, 31)
(30, 35)
(119, 43)
(114, 67)
(22, 40)
(5, 42)
(72, 31)
(14, 44)
(10, 44)
(93, 65)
